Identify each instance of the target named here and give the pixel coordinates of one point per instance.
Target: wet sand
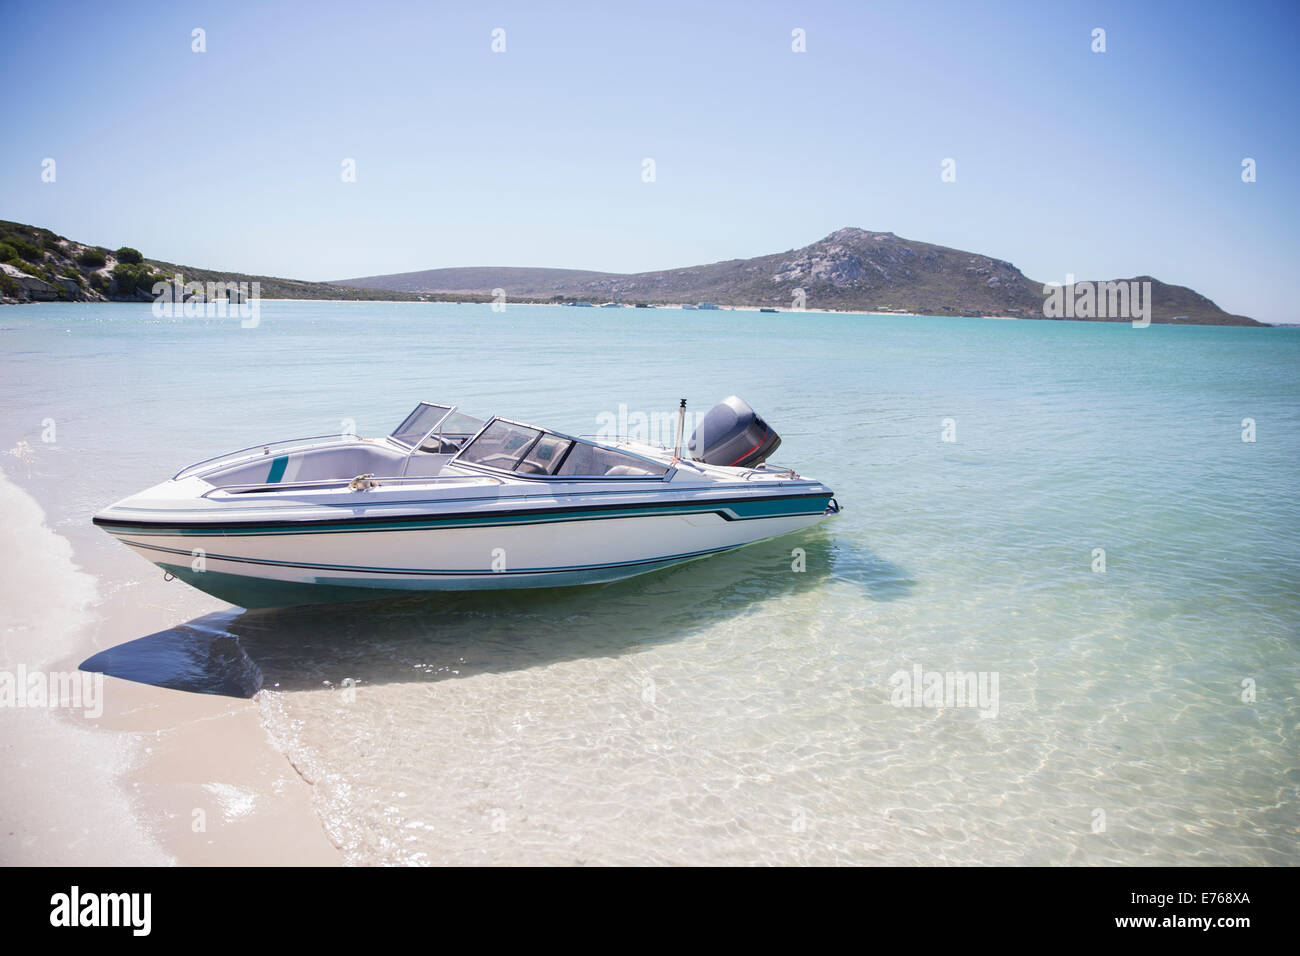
(160, 776)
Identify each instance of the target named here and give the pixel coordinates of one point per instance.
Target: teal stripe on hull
(741, 510)
(447, 572)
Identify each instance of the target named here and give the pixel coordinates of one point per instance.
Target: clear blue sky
(1101, 165)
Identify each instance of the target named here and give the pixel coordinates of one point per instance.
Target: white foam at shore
(84, 818)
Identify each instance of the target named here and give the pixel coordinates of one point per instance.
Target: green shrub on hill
(128, 255)
(93, 258)
(27, 250)
(130, 278)
(8, 229)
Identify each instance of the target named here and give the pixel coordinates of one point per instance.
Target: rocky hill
(851, 269)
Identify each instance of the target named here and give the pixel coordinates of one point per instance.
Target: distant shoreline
(724, 308)
(918, 279)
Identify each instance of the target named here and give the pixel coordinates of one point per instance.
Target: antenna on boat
(681, 425)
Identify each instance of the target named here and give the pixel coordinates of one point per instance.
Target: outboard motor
(731, 433)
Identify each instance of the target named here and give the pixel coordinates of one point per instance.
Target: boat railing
(770, 471)
(359, 483)
(623, 440)
(257, 451)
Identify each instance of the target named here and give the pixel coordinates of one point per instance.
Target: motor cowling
(732, 433)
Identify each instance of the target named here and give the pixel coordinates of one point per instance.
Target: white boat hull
(309, 563)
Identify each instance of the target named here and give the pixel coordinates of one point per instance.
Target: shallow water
(734, 710)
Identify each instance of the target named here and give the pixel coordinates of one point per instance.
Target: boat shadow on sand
(438, 636)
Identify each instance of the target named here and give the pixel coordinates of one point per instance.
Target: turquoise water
(734, 710)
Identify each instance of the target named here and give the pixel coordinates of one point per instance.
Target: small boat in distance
(767, 310)
(707, 305)
(448, 502)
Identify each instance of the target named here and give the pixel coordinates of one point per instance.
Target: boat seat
(424, 464)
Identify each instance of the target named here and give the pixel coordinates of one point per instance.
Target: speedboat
(448, 502)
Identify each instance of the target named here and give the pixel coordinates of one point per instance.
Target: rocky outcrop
(30, 287)
(70, 270)
(70, 287)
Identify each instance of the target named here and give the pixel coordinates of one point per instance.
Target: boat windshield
(436, 428)
(452, 432)
(420, 422)
(525, 450)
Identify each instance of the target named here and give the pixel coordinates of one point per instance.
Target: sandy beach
(160, 777)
